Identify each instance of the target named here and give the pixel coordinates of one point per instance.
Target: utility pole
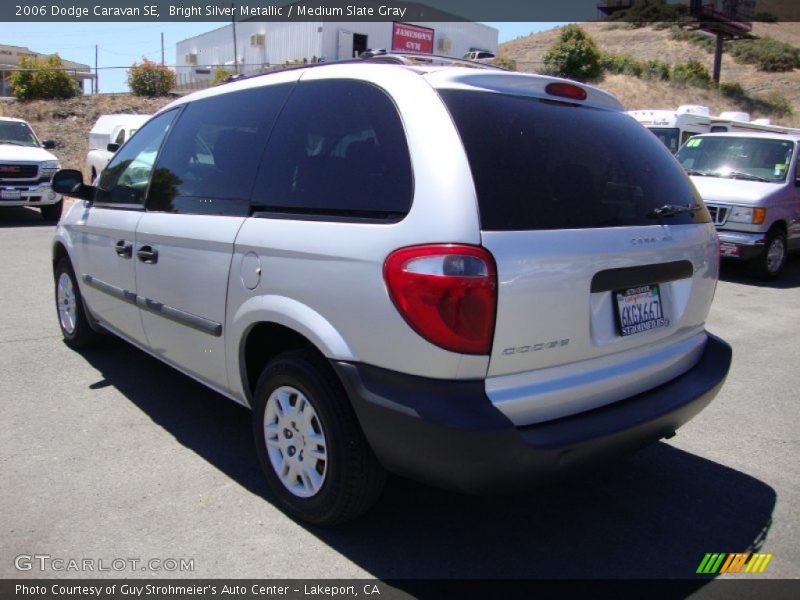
(96, 74)
(718, 57)
(162, 48)
(233, 24)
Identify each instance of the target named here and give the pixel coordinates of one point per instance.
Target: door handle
(124, 249)
(147, 254)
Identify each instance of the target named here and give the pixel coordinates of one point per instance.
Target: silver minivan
(751, 185)
(475, 278)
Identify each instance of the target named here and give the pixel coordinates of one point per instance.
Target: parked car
(751, 185)
(26, 168)
(475, 278)
(479, 56)
(109, 133)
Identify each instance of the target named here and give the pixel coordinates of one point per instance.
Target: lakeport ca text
(222, 590)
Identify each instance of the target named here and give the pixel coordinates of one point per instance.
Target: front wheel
(72, 319)
(311, 448)
(769, 264)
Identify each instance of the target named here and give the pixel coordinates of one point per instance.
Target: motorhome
(674, 127)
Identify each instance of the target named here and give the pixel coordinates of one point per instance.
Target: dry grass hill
(648, 43)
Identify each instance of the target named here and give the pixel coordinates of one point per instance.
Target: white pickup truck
(107, 135)
(26, 169)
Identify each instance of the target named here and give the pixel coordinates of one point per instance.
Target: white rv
(739, 122)
(674, 127)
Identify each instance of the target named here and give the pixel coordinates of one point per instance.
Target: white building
(260, 45)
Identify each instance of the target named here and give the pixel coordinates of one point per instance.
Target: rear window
(539, 164)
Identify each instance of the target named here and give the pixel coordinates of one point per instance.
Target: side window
(210, 159)
(120, 137)
(124, 181)
(338, 149)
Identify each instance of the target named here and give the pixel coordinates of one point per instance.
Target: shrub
(691, 73)
(657, 70)
(575, 55)
(704, 41)
(42, 78)
(732, 90)
(150, 79)
(768, 54)
(221, 74)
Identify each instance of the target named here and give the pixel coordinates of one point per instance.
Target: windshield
(669, 136)
(754, 159)
(17, 133)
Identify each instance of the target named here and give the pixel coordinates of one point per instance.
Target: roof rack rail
(421, 60)
(380, 56)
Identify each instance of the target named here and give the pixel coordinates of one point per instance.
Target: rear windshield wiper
(740, 175)
(11, 143)
(696, 172)
(670, 210)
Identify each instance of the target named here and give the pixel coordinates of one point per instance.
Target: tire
(72, 319)
(769, 264)
(342, 479)
(52, 212)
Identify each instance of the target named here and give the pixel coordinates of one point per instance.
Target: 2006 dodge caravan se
(476, 278)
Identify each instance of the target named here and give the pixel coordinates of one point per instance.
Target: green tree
(575, 56)
(42, 79)
(221, 74)
(150, 79)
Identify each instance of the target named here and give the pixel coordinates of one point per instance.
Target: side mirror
(70, 182)
(48, 144)
(112, 147)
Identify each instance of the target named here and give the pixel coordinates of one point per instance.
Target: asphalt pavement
(109, 454)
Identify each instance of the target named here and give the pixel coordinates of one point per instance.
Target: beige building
(9, 59)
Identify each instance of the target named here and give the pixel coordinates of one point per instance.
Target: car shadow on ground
(17, 216)
(736, 271)
(654, 514)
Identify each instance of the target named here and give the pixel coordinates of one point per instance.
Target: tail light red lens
(566, 90)
(447, 293)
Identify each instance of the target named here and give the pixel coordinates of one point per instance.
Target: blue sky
(122, 44)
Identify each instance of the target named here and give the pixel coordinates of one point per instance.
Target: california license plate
(728, 249)
(639, 309)
(10, 194)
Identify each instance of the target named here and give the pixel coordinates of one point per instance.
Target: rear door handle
(124, 248)
(147, 254)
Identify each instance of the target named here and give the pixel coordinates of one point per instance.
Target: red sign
(412, 38)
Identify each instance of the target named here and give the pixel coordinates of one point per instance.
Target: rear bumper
(448, 433)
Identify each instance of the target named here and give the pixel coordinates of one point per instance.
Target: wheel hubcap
(67, 309)
(295, 441)
(775, 255)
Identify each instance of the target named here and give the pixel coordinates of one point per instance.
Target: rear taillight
(447, 293)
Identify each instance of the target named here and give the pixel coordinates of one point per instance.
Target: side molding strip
(164, 310)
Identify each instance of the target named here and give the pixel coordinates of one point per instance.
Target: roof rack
(377, 56)
(421, 60)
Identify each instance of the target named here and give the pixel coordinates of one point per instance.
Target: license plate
(10, 194)
(728, 249)
(639, 309)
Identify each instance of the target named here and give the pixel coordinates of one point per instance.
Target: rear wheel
(52, 212)
(769, 264)
(72, 318)
(311, 448)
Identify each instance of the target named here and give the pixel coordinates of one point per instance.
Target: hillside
(68, 122)
(647, 43)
